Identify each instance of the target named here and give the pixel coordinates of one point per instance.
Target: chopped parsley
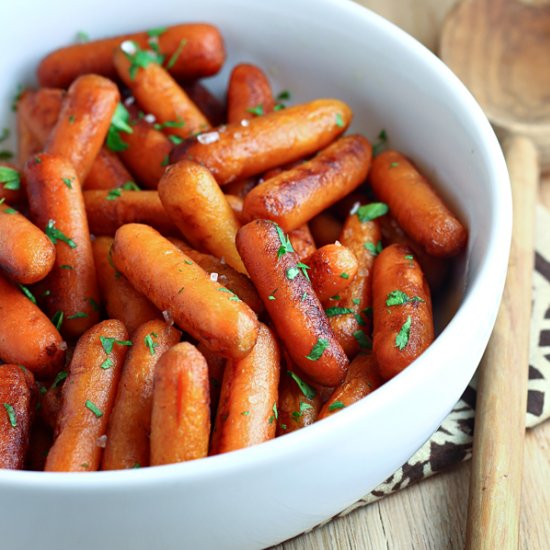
(362, 339)
(381, 144)
(356, 301)
(82, 37)
(55, 235)
(275, 415)
(339, 120)
(94, 304)
(333, 311)
(303, 267)
(286, 245)
(371, 211)
(27, 293)
(305, 388)
(305, 406)
(304, 296)
(258, 110)
(317, 350)
(57, 319)
(68, 182)
(60, 376)
(165, 161)
(245, 413)
(344, 275)
(409, 257)
(65, 266)
(120, 122)
(233, 297)
(172, 61)
(113, 194)
(169, 124)
(93, 408)
(176, 140)
(138, 58)
(10, 178)
(394, 164)
(78, 315)
(336, 405)
(148, 340)
(374, 249)
(107, 364)
(398, 298)
(335, 297)
(292, 273)
(17, 97)
(11, 414)
(283, 96)
(272, 295)
(402, 337)
(155, 32)
(71, 119)
(108, 343)
(131, 186)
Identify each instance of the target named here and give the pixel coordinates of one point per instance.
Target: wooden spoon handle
(497, 463)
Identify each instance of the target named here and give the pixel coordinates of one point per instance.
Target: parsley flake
(78, 315)
(374, 249)
(317, 350)
(55, 235)
(176, 140)
(362, 339)
(94, 304)
(402, 337)
(356, 301)
(165, 161)
(371, 211)
(131, 186)
(10, 178)
(258, 110)
(93, 408)
(155, 32)
(60, 376)
(292, 273)
(336, 405)
(286, 245)
(108, 343)
(305, 388)
(283, 96)
(11, 414)
(381, 144)
(150, 343)
(138, 58)
(339, 120)
(82, 37)
(17, 97)
(169, 124)
(172, 61)
(344, 275)
(113, 194)
(107, 364)
(27, 293)
(57, 319)
(120, 122)
(333, 311)
(335, 297)
(394, 164)
(245, 413)
(65, 266)
(68, 182)
(305, 406)
(398, 298)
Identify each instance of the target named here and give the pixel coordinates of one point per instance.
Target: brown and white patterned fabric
(452, 442)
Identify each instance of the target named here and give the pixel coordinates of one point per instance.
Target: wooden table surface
(432, 513)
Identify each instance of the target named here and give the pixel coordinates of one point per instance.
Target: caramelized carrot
(302, 241)
(236, 204)
(197, 205)
(173, 282)
(26, 253)
(27, 336)
(130, 422)
(332, 269)
(240, 188)
(40, 110)
(247, 411)
(180, 422)
(83, 122)
(265, 142)
(216, 367)
(27, 143)
(417, 207)
(294, 197)
(56, 204)
(107, 172)
(248, 94)
(350, 311)
(88, 396)
(325, 228)
(108, 210)
(15, 417)
(122, 300)
(192, 51)
(208, 103)
(361, 379)
(159, 94)
(294, 308)
(402, 310)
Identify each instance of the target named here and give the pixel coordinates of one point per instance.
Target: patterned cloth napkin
(452, 442)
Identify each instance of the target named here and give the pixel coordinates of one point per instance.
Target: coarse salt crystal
(209, 137)
(63, 345)
(168, 317)
(102, 441)
(168, 252)
(130, 100)
(354, 208)
(214, 277)
(245, 122)
(337, 243)
(128, 47)
(150, 118)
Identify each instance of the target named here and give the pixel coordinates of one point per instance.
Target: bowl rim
(488, 284)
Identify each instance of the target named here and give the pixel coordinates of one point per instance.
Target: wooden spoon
(501, 50)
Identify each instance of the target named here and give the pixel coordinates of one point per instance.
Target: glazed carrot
(56, 204)
(10, 183)
(180, 422)
(83, 122)
(402, 310)
(248, 94)
(302, 241)
(240, 188)
(40, 111)
(122, 301)
(294, 308)
(147, 153)
(231, 279)
(332, 269)
(350, 311)
(294, 197)
(15, 417)
(50, 401)
(236, 204)
(108, 210)
(130, 421)
(27, 336)
(216, 366)
(325, 228)
(26, 253)
(107, 172)
(158, 93)
(247, 412)
(197, 205)
(174, 283)
(88, 396)
(27, 143)
(208, 103)
(435, 269)
(417, 207)
(299, 403)
(40, 441)
(361, 379)
(191, 50)
(267, 141)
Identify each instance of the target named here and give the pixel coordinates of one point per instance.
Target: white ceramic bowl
(259, 496)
